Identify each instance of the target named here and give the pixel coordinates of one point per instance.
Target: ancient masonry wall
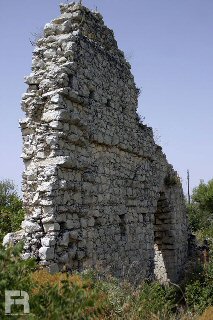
(97, 189)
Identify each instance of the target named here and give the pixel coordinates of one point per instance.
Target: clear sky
(169, 45)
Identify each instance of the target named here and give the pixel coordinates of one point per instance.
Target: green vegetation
(11, 209)
(199, 292)
(201, 208)
(90, 295)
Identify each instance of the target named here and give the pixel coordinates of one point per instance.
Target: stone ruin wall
(97, 189)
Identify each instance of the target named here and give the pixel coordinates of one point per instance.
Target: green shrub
(51, 296)
(86, 296)
(203, 195)
(155, 299)
(14, 273)
(60, 295)
(11, 208)
(201, 208)
(148, 301)
(199, 293)
(199, 296)
(196, 217)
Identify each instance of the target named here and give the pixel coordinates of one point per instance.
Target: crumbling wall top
(80, 21)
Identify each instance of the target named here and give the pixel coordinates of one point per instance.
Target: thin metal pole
(188, 179)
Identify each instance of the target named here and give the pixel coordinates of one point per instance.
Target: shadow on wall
(164, 242)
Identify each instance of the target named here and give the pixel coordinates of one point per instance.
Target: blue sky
(169, 45)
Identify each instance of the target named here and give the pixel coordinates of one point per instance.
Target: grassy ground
(90, 295)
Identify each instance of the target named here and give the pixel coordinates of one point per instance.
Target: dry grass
(207, 315)
(43, 277)
(109, 298)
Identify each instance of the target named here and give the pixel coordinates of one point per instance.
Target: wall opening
(70, 81)
(92, 94)
(97, 222)
(164, 242)
(122, 225)
(108, 104)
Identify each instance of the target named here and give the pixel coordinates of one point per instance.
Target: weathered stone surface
(48, 241)
(53, 268)
(30, 227)
(51, 227)
(46, 253)
(8, 239)
(98, 191)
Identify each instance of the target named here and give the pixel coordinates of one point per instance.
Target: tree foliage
(201, 207)
(11, 208)
(203, 196)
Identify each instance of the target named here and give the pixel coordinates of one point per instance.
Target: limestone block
(48, 219)
(83, 223)
(61, 218)
(56, 125)
(65, 239)
(35, 198)
(51, 227)
(64, 258)
(8, 239)
(45, 187)
(72, 252)
(26, 256)
(46, 253)
(48, 210)
(53, 268)
(91, 222)
(36, 213)
(74, 235)
(57, 99)
(72, 224)
(30, 227)
(47, 242)
(80, 255)
(50, 53)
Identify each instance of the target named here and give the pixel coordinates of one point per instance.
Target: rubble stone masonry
(98, 191)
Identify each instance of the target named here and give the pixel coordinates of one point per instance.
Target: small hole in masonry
(92, 94)
(122, 225)
(108, 103)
